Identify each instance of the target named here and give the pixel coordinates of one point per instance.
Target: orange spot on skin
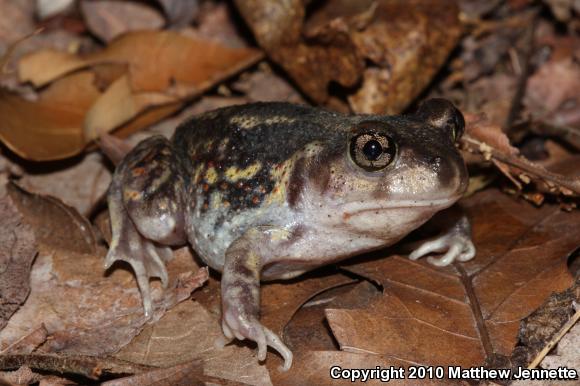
(346, 216)
(133, 195)
(138, 172)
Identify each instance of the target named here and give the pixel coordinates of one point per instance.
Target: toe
(276, 343)
(448, 258)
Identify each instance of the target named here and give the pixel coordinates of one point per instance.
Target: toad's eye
(372, 151)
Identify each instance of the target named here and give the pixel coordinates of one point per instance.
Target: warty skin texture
(272, 190)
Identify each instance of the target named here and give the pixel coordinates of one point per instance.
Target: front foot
(456, 240)
(241, 295)
(147, 261)
(458, 248)
(146, 258)
(239, 324)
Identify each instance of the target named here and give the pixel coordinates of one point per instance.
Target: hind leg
(146, 208)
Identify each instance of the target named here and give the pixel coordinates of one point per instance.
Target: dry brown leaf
(70, 266)
(467, 312)
(81, 184)
(280, 301)
(158, 61)
(55, 224)
(28, 343)
(493, 95)
(51, 127)
(93, 333)
(109, 19)
(309, 331)
(119, 104)
(552, 91)
(22, 376)
(17, 252)
(188, 333)
(88, 313)
(405, 43)
(163, 70)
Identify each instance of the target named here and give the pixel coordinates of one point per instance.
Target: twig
(88, 366)
(571, 185)
(554, 340)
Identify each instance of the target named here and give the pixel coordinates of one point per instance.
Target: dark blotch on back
(269, 143)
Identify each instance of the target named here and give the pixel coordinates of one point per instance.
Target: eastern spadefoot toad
(272, 190)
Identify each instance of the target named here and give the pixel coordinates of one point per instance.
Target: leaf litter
(513, 73)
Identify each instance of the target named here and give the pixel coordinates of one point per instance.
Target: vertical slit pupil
(372, 150)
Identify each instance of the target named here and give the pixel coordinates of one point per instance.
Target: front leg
(455, 239)
(146, 210)
(241, 294)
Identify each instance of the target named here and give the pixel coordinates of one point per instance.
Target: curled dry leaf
(405, 43)
(55, 224)
(52, 126)
(110, 19)
(467, 312)
(162, 70)
(489, 141)
(17, 251)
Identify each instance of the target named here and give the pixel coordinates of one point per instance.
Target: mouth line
(406, 204)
